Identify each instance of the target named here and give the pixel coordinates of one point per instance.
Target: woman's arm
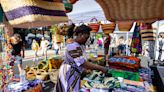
(89, 65)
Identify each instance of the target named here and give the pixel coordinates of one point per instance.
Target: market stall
(124, 72)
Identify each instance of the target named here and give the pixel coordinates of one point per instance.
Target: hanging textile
(147, 32)
(33, 13)
(136, 46)
(108, 28)
(1, 14)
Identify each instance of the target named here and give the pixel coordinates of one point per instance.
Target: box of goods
(127, 63)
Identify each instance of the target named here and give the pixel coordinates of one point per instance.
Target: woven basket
(94, 25)
(33, 13)
(53, 75)
(132, 10)
(147, 32)
(41, 74)
(125, 26)
(108, 28)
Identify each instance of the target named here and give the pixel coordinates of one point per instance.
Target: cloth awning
(133, 10)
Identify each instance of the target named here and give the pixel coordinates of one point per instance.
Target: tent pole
(127, 43)
(157, 32)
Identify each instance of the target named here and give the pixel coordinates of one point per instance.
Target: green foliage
(98, 36)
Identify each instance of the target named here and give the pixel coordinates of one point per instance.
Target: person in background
(161, 45)
(44, 46)
(56, 48)
(17, 51)
(99, 42)
(35, 47)
(74, 62)
(106, 46)
(121, 46)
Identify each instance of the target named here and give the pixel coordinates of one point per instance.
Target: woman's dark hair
(71, 31)
(83, 29)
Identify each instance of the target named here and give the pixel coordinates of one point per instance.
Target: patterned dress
(70, 70)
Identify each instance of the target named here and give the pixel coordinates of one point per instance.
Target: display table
(99, 82)
(29, 86)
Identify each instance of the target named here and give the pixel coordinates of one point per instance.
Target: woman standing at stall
(75, 62)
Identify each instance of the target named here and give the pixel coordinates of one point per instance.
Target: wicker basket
(147, 32)
(94, 25)
(53, 75)
(33, 13)
(125, 26)
(41, 74)
(108, 28)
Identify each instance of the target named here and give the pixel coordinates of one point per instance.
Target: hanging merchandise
(33, 13)
(136, 46)
(94, 25)
(1, 14)
(68, 6)
(62, 29)
(147, 32)
(125, 26)
(72, 1)
(108, 28)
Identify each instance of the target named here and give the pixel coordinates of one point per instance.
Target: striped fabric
(33, 13)
(108, 28)
(147, 32)
(95, 27)
(70, 70)
(125, 26)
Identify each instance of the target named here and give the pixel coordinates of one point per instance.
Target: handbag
(95, 26)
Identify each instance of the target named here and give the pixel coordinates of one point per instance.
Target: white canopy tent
(85, 10)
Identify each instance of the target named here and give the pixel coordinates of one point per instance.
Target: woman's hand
(91, 66)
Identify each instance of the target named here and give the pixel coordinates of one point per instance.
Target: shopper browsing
(17, 51)
(75, 62)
